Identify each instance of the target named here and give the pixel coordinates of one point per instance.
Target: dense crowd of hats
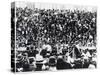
(42, 32)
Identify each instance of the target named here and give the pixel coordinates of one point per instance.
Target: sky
(55, 6)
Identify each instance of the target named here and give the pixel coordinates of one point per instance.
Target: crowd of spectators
(50, 37)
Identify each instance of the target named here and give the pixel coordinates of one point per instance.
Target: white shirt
(48, 47)
(39, 57)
